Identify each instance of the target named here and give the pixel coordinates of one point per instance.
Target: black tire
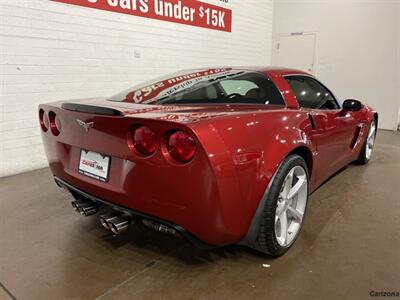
(266, 238)
(363, 158)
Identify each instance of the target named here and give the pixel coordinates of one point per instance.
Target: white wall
(52, 51)
(357, 49)
(398, 60)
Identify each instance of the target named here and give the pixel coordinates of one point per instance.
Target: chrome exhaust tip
(85, 208)
(88, 209)
(106, 219)
(119, 224)
(75, 206)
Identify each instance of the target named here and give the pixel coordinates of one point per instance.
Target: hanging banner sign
(188, 12)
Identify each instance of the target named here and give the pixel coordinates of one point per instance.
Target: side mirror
(352, 105)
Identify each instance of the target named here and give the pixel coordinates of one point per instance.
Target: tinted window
(225, 86)
(311, 94)
(242, 87)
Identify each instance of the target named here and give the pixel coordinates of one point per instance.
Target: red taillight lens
(55, 125)
(181, 146)
(44, 121)
(145, 140)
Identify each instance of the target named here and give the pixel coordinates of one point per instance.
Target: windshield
(212, 86)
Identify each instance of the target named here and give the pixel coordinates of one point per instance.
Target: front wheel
(285, 207)
(368, 146)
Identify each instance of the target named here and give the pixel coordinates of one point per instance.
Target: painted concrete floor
(349, 246)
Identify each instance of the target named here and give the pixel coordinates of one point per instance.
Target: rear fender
(219, 156)
(285, 144)
(263, 141)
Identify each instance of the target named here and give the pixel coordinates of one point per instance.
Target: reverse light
(44, 121)
(55, 125)
(145, 140)
(181, 146)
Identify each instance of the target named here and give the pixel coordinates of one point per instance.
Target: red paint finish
(238, 148)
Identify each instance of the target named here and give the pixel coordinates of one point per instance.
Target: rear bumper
(189, 197)
(182, 231)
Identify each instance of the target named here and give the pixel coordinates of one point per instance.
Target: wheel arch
(306, 154)
(252, 233)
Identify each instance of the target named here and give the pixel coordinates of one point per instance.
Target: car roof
(275, 71)
(268, 70)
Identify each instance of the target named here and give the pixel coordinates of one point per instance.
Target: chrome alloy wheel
(370, 141)
(291, 206)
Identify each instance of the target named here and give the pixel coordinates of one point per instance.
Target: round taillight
(44, 121)
(181, 146)
(55, 125)
(145, 140)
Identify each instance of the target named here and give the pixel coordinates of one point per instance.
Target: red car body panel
(239, 148)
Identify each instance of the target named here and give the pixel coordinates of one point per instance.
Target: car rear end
(159, 168)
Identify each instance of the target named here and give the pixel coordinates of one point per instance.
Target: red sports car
(218, 156)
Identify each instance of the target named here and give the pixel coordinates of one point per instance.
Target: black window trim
(279, 91)
(312, 77)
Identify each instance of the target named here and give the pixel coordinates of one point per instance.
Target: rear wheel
(368, 146)
(285, 207)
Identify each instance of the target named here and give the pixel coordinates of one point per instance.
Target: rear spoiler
(98, 110)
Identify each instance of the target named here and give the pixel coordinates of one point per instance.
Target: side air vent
(355, 137)
(98, 110)
(312, 121)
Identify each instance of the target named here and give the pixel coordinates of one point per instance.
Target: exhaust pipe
(105, 220)
(75, 206)
(120, 224)
(85, 208)
(116, 223)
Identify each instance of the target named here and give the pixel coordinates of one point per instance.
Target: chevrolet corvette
(217, 156)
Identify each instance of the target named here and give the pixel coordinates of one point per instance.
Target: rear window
(214, 86)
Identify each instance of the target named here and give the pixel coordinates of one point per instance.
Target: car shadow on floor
(329, 199)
